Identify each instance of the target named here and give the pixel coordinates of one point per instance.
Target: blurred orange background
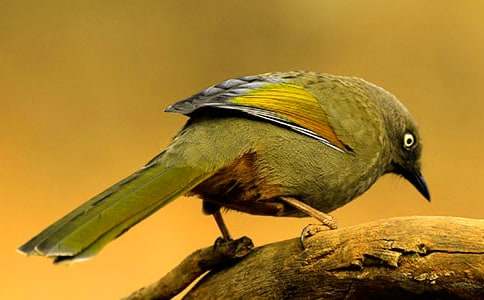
(83, 85)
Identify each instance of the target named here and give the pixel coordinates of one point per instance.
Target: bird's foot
(233, 248)
(312, 229)
(328, 221)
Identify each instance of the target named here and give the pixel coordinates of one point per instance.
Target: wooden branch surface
(400, 258)
(193, 267)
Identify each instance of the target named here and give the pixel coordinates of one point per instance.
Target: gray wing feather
(216, 95)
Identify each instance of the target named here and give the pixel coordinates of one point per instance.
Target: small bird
(289, 144)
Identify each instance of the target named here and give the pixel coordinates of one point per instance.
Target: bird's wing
(270, 98)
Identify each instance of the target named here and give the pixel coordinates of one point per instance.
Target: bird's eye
(408, 140)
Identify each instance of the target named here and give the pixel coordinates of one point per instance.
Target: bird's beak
(417, 180)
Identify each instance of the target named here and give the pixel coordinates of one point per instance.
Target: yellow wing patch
(292, 103)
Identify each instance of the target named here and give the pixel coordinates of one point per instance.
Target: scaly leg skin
(326, 220)
(221, 225)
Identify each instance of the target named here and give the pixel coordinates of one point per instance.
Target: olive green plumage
(319, 138)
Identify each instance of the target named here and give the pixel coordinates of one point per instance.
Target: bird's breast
(318, 175)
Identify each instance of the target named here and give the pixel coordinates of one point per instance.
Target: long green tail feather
(87, 229)
(107, 237)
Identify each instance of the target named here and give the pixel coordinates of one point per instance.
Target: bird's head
(405, 145)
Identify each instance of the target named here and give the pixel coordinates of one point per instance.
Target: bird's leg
(221, 225)
(311, 229)
(211, 207)
(325, 219)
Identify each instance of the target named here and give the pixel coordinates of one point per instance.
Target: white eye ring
(408, 140)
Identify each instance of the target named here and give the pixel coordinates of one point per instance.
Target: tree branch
(192, 267)
(400, 258)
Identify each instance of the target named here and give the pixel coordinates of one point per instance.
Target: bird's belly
(241, 187)
(331, 197)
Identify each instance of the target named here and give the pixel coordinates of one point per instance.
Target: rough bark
(400, 258)
(193, 267)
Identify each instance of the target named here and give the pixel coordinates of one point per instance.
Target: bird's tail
(88, 228)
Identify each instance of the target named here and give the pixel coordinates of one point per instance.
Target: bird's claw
(329, 222)
(233, 248)
(312, 229)
(219, 243)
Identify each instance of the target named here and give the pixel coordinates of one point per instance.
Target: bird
(285, 144)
